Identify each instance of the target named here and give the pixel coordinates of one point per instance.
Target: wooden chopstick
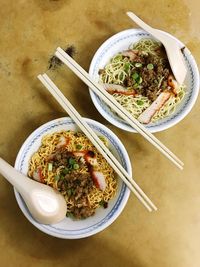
(86, 129)
(111, 101)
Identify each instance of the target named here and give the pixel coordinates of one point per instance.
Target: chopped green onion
(69, 192)
(138, 65)
(69, 168)
(50, 167)
(75, 166)
(79, 146)
(140, 80)
(140, 102)
(150, 66)
(70, 215)
(121, 76)
(56, 177)
(62, 177)
(102, 202)
(127, 66)
(65, 171)
(72, 161)
(135, 76)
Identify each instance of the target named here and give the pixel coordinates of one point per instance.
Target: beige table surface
(30, 30)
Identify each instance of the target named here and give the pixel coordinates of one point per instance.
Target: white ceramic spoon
(172, 48)
(45, 204)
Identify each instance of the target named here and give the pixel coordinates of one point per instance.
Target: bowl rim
(152, 128)
(125, 194)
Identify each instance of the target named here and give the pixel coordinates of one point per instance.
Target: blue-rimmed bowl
(68, 228)
(122, 41)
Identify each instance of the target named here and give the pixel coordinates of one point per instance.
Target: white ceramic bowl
(68, 228)
(121, 41)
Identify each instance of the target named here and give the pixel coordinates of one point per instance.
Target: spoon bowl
(45, 204)
(173, 50)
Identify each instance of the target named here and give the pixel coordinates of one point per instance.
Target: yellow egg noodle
(49, 146)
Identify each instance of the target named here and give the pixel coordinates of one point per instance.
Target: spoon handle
(141, 23)
(154, 32)
(172, 48)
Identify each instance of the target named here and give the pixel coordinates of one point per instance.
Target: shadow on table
(25, 239)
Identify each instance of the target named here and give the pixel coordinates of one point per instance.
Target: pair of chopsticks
(91, 135)
(112, 102)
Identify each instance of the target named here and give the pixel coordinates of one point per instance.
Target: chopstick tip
(59, 49)
(39, 76)
(180, 167)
